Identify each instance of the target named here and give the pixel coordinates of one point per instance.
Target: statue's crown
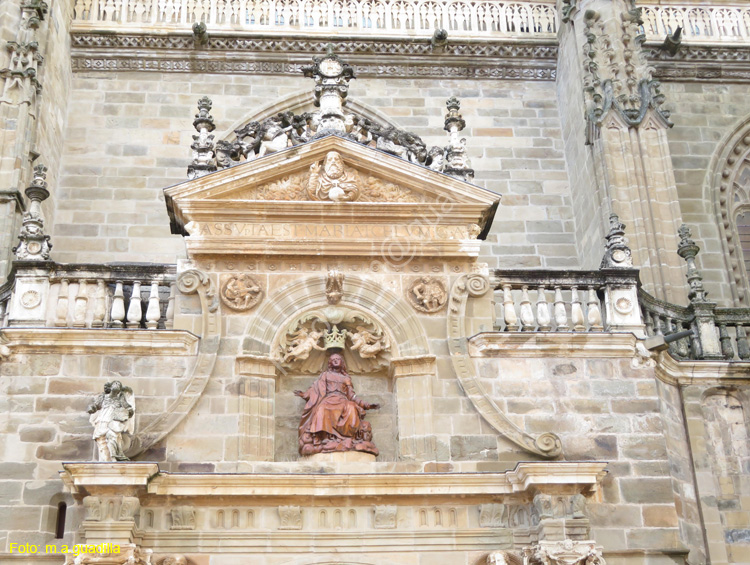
(335, 338)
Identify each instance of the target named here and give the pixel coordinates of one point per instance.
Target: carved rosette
(240, 292)
(427, 294)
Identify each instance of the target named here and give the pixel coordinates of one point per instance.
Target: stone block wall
(129, 136)
(602, 409)
(703, 115)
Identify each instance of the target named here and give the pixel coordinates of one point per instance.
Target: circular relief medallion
(619, 255)
(240, 292)
(31, 299)
(427, 294)
(623, 305)
(34, 247)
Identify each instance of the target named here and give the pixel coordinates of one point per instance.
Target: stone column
(257, 391)
(414, 402)
(626, 131)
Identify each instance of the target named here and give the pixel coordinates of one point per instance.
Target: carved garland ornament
(240, 292)
(475, 285)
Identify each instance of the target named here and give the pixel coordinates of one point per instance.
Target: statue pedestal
(340, 457)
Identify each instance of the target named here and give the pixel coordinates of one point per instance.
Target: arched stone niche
(268, 407)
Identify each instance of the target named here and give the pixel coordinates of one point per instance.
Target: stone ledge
(522, 478)
(552, 344)
(707, 373)
(108, 474)
(85, 341)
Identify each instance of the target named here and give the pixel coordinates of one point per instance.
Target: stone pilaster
(20, 59)
(414, 398)
(257, 390)
(626, 132)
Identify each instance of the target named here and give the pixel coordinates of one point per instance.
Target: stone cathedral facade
(374, 282)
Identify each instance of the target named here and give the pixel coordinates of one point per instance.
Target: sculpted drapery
(332, 419)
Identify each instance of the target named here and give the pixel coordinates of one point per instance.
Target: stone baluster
(153, 312)
(682, 346)
(118, 307)
(576, 311)
(561, 316)
(135, 309)
(80, 305)
(509, 310)
(527, 312)
(649, 323)
(726, 342)
(542, 311)
(743, 348)
(594, 314)
(100, 305)
(169, 321)
(61, 311)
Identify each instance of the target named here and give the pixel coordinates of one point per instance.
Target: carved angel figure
(302, 342)
(333, 182)
(368, 344)
(274, 137)
(112, 417)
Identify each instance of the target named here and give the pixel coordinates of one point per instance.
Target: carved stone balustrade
(567, 301)
(488, 18)
(718, 333)
(381, 17)
(133, 296)
(700, 24)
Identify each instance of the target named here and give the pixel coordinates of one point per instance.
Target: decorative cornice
(526, 476)
(509, 59)
(706, 373)
(532, 59)
(99, 341)
(552, 344)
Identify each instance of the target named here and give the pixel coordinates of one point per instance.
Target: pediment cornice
(303, 200)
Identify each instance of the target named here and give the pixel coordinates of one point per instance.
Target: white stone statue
(112, 417)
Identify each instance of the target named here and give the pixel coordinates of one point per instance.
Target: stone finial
(456, 161)
(204, 161)
(688, 250)
(34, 244)
(332, 78)
(617, 254)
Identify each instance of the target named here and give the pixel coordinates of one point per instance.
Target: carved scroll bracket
(197, 282)
(472, 286)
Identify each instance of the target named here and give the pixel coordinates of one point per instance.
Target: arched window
(730, 173)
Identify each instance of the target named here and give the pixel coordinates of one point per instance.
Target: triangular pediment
(331, 189)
